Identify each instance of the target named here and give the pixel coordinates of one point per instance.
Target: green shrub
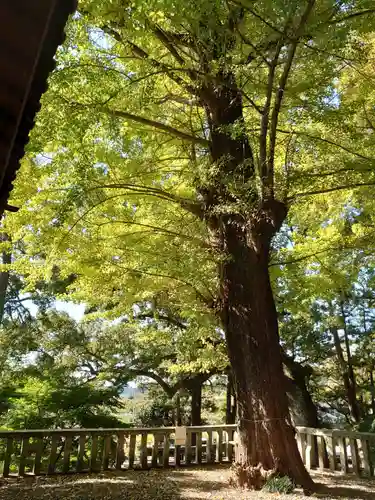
(279, 484)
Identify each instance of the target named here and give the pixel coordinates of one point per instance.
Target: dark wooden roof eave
(29, 36)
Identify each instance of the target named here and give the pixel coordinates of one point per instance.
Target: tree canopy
(209, 159)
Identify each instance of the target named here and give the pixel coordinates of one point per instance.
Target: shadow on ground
(189, 484)
(338, 486)
(134, 485)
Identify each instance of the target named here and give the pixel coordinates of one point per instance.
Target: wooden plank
(367, 465)
(188, 450)
(38, 456)
(143, 451)
(81, 453)
(161, 450)
(24, 454)
(155, 450)
(219, 446)
(53, 455)
(321, 450)
(94, 453)
(8, 456)
(120, 455)
(353, 434)
(309, 451)
(166, 451)
(209, 456)
(67, 452)
(303, 447)
(198, 448)
(106, 451)
(355, 456)
(231, 445)
(315, 432)
(331, 452)
(177, 455)
(343, 455)
(150, 430)
(299, 443)
(132, 441)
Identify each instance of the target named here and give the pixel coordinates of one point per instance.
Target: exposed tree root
(250, 477)
(255, 477)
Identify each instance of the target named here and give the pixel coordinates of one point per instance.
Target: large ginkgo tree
(173, 140)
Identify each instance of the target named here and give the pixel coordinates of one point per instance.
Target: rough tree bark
(231, 402)
(350, 388)
(302, 408)
(196, 403)
(246, 306)
(350, 368)
(250, 319)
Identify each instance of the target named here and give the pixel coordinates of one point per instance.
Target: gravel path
(182, 484)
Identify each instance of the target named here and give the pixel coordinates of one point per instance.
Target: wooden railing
(336, 450)
(64, 451)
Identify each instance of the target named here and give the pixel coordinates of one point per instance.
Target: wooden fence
(337, 450)
(65, 451)
(92, 450)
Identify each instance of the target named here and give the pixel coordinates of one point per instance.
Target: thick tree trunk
(302, 408)
(196, 403)
(178, 419)
(350, 388)
(249, 317)
(350, 367)
(246, 308)
(231, 402)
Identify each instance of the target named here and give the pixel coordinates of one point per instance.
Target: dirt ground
(190, 484)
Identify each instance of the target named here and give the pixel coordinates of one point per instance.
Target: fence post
(143, 451)
(132, 440)
(94, 452)
(355, 456)
(166, 450)
(8, 457)
(120, 455)
(367, 464)
(343, 455)
(81, 453)
(38, 456)
(53, 454)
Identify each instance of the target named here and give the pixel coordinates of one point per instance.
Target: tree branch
(258, 16)
(154, 376)
(157, 125)
(331, 190)
(189, 205)
(328, 141)
(204, 299)
(265, 116)
(351, 16)
(355, 170)
(280, 92)
(165, 40)
(159, 230)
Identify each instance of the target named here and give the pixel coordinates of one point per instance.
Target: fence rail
(64, 451)
(337, 450)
